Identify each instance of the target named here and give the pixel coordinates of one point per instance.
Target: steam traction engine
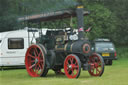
(59, 49)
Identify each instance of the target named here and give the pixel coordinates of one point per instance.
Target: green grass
(117, 74)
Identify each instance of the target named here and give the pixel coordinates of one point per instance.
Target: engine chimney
(80, 20)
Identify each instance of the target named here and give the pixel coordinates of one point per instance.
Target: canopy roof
(50, 16)
(47, 10)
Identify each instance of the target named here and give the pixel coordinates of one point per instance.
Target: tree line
(107, 18)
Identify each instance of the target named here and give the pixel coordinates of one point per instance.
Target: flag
(88, 30)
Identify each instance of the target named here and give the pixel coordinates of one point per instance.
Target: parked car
(106, 49)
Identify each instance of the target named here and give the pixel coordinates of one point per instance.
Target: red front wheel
(35, 61)
(72, 66)
(96, 63)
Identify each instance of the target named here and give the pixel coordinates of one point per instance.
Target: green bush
(122, 51)
(102, 21)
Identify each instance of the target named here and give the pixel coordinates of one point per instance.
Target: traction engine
(59, 49)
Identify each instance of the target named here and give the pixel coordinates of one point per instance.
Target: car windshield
(104, 46)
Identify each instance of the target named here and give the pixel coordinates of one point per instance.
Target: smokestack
(80, 20)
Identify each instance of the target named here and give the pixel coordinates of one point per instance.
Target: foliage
(101, 20)
(8, 16)
(122, 51)
(108, 18)
(119, 9)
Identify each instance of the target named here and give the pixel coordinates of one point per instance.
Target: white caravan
(14, 44)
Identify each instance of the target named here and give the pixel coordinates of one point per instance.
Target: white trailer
(13, 46)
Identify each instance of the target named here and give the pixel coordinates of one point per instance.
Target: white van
(13, 46)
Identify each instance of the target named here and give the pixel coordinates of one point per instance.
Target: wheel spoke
(40, 66)
(71, 60)
(97, 70)
(36, 52)
(92, 59)
(32, 66)
(68, 70)
(75, 63)
(72, 73)
(92, 70)
(76, 67)
(41, 61)
(99, 63)
(39, 54)
(37, 69)
(32, 61)
(31, 56)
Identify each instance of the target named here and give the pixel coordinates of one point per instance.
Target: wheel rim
(71, 66)
(96, 65)
(34, 61)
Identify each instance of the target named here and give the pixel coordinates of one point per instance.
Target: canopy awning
(49, 16)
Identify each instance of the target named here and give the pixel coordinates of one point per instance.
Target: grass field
(117, 74)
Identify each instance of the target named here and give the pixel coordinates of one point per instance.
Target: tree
(120, 9)
(8, 16)
(102, 21)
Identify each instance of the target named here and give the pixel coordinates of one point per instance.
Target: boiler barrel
(80, 46)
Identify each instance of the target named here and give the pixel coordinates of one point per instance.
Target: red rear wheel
(72, 66)
(96, 65)
(35, 61)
